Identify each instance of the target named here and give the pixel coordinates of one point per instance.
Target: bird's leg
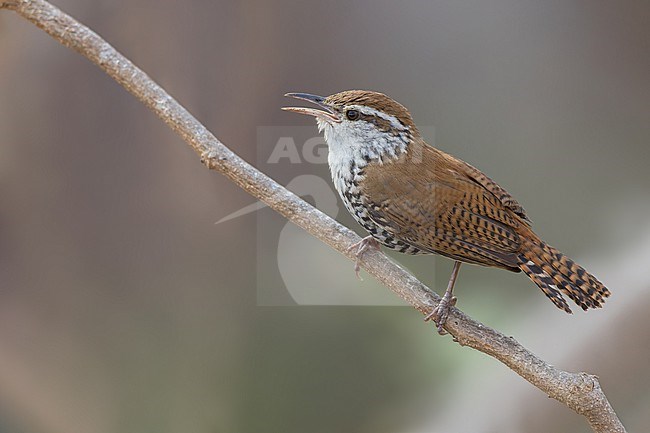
(440, 313)
(365, 244)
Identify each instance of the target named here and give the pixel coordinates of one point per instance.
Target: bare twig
(579, 391)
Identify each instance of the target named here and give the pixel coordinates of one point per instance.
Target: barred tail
(556, 274)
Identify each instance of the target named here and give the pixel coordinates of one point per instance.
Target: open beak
(328, 113)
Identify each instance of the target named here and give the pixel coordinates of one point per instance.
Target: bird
(416, 199)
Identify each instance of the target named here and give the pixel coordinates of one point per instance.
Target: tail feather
(596, 289)
(555, 274)
(545, 283)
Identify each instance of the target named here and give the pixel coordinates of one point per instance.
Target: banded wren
(417, 199)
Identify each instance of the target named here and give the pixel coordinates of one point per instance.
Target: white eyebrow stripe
(372, 112)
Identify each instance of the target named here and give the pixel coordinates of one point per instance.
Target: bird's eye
(352, 114)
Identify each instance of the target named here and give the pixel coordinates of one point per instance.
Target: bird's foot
(364, 245)
(440, 312)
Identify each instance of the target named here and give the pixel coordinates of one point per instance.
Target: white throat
(354, 144)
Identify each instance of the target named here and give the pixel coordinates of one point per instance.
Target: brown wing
(436, 205)
(499, 193)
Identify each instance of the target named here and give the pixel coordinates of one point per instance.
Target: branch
(579, 391)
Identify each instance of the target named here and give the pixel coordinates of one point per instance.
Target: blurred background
(124, 308)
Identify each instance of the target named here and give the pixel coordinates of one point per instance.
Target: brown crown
(375, 100)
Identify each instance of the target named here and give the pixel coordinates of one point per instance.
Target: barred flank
(556, 274)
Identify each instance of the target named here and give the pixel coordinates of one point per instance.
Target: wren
(416, 199)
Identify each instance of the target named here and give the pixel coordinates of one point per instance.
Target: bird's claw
(440, 312)
(362, 247)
